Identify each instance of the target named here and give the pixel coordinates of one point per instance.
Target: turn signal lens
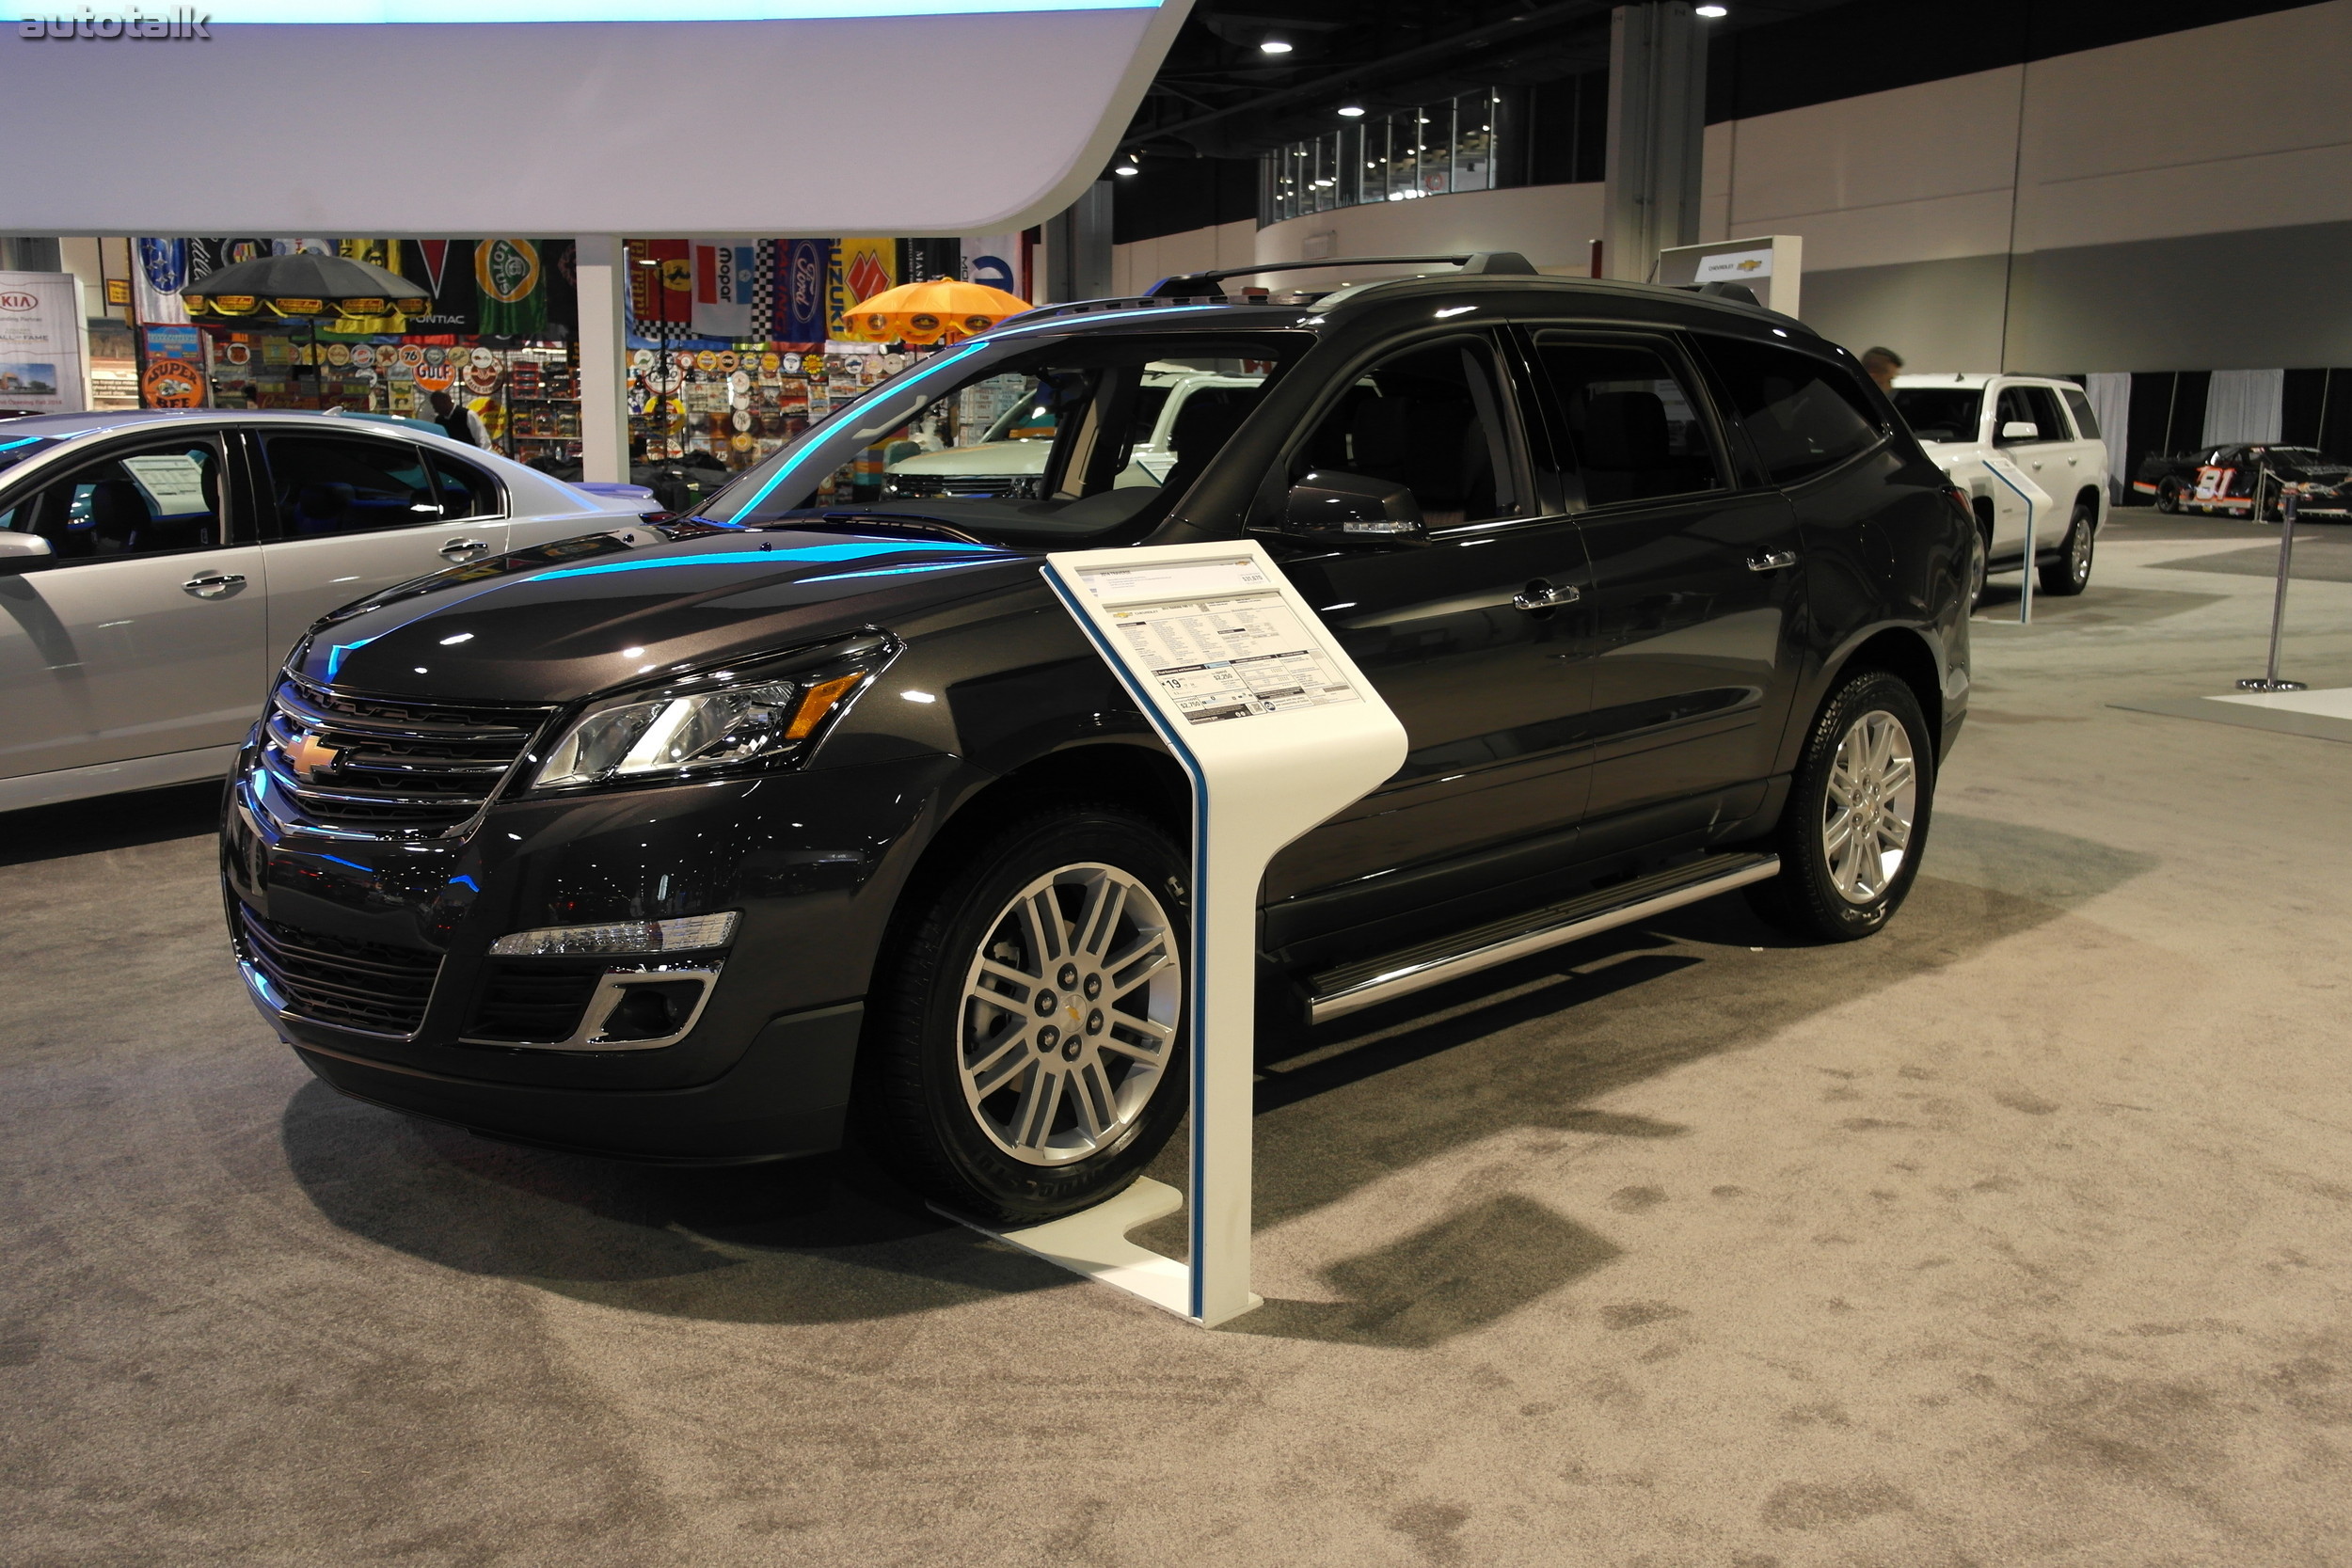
(620, 938)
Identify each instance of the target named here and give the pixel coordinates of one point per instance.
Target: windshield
(1077, 406)
(1940, 413)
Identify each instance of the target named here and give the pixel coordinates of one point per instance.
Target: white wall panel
(1551, 226)
(1933, 141)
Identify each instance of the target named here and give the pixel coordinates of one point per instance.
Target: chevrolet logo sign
(308, 754)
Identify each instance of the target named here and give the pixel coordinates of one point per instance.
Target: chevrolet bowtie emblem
(308, 754)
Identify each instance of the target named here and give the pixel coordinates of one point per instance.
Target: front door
(353, 514)
(1694, 593)
(147, 637)
(2050, 457)
(1455, 632)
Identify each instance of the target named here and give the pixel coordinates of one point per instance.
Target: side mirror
(2021, 430)
(1330, 505)
(25, 552)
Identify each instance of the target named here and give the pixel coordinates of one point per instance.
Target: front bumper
(399, 1000)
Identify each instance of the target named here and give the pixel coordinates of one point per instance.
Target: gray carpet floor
(2018, 1234)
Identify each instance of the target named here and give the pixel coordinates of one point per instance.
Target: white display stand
(2038, 501)
(1278, 730)
(1770, 265)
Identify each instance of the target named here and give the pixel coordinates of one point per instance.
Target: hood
(997, 457)
(562, 622)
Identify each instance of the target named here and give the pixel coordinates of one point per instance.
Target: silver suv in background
(2042, 427)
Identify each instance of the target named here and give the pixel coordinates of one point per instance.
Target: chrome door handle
(463, 549)
(1772, 561)
(1540, 595)
(214, 585)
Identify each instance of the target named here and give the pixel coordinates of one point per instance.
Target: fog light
(620, 937)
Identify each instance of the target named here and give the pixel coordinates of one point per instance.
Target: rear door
(148, 635)
(1695, 595)
(350, 513)
(2087, 463)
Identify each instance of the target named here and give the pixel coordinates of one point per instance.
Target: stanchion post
(2271, 682)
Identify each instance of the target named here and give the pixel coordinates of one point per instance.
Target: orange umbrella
(928, 312)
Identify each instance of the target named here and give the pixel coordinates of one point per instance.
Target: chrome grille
(385, 767)
(356, 984)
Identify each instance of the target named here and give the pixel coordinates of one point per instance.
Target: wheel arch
(1129, 770)
(1904, 652)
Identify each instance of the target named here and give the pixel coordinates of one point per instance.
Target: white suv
(1173, 403)
(2017, 445)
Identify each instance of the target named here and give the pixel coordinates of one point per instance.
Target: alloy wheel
(1872, 806)
(2078, 554)
(1068, 1016)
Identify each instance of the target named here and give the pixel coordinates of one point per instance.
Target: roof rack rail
(1209, 285)
(1739, 294)
(1083, 308)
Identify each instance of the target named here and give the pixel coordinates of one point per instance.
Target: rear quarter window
(1803, 416)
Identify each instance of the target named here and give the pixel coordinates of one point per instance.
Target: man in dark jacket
(461, 422)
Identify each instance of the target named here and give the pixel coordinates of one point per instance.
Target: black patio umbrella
(305, 284)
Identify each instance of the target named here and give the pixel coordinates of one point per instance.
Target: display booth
(1277, 730)
(1770, 266)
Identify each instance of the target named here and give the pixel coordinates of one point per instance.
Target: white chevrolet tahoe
(1172, 402)
(2024, 448)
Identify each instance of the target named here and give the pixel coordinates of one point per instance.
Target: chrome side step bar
(1338, 991)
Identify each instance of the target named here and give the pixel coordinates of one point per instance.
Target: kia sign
(810, 116)
(41, 344)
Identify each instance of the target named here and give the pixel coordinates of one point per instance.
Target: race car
(2222, 480)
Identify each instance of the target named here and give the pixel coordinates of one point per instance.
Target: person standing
(1882, 365)
(461, 422)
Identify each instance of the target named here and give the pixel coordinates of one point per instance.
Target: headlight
(681, 734)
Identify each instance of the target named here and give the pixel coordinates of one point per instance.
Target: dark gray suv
(708, 840)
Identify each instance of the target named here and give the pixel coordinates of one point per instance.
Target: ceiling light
(1351, 111)
(1126, 168)
(1710, 12)
(1274, 46)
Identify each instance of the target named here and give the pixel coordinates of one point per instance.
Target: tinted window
(1633, 429)
(464, 490)
(2086, 422)
(1430, 419)
(1940, 413)
(150, 500)
(1803, 415)
(2035, 407)
(329, 484)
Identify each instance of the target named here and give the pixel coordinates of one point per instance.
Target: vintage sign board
(1278, 730)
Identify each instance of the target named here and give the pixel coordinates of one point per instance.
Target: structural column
(1078, 248)
(1657, 134)
(601, 264)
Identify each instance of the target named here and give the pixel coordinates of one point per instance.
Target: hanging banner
(161, 274)
(381, 253)
(801, 290)
(507, 274)
(174, 377)
(41, 344)
(445, 268)
(863, 267)
(994, 259)
(723, 274)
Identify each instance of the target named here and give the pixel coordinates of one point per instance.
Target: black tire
(2169, 496)
(985, 1153)
(1980, 563)
(1806, 899)
(2070, 574)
